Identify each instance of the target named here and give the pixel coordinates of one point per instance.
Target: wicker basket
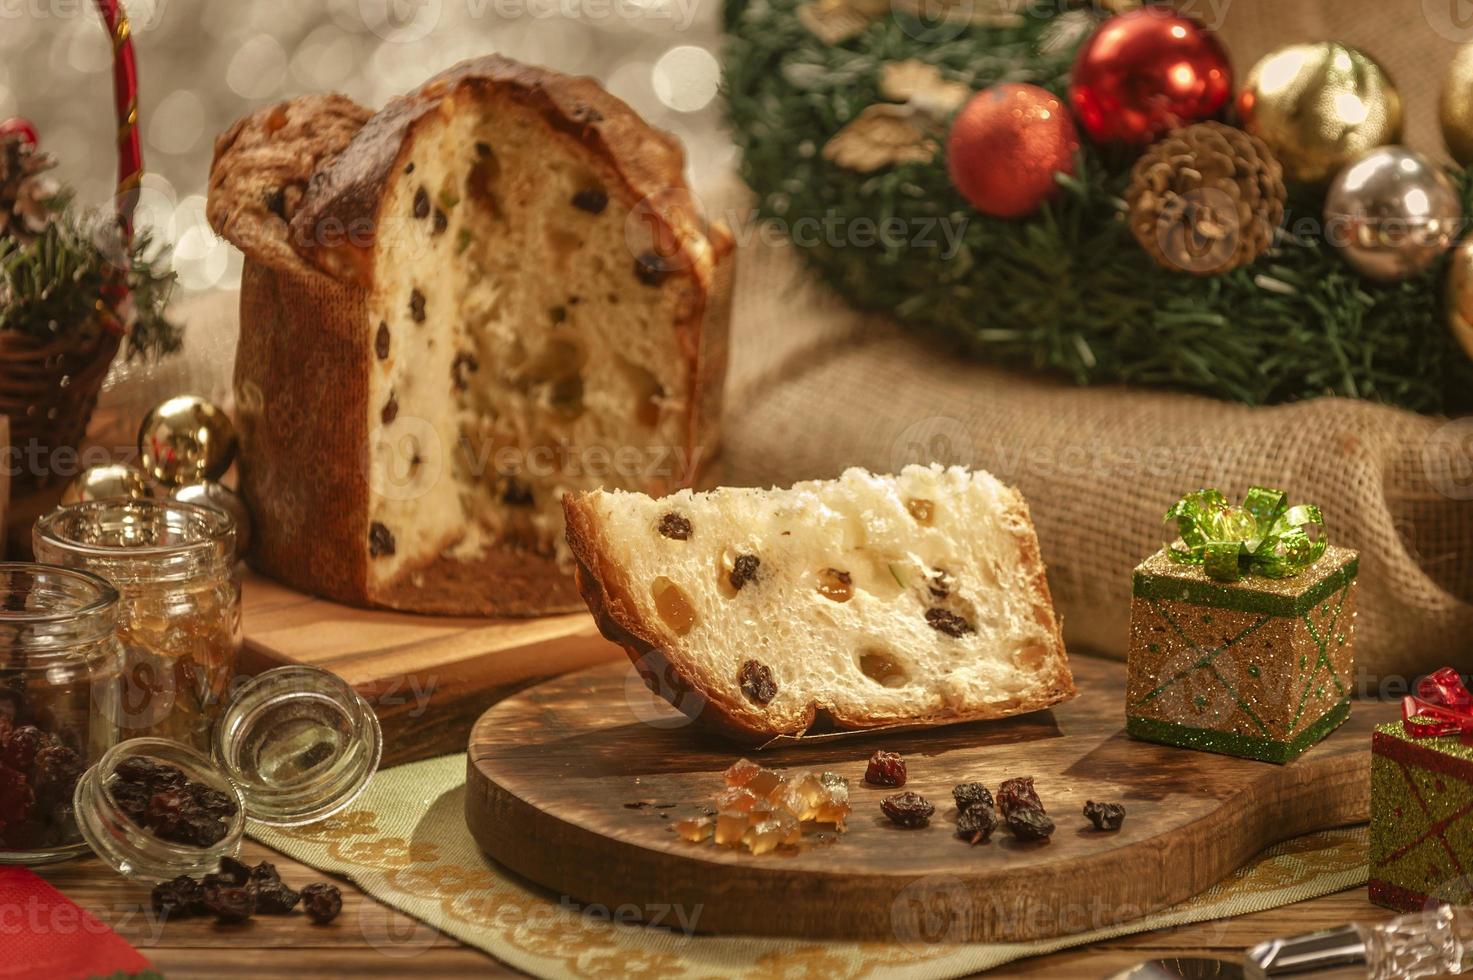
(49, 389)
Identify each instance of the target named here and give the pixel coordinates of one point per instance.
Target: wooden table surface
(372, 940)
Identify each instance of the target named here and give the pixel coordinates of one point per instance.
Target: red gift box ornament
(1441, 706)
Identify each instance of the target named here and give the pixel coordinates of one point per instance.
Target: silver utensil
(1424, 944)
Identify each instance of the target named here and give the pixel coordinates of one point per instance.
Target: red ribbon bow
(1441, 706)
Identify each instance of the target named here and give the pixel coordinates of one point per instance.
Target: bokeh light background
(204, 63)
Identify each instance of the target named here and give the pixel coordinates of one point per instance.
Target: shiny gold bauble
(220, 497)
(1455, 107)
(186, 440)
(1319, 106)
(115, 481)
(1460, 295)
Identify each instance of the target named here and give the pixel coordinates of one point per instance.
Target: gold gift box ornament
(1242, 633)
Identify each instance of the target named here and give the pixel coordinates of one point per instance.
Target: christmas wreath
(1105, 222)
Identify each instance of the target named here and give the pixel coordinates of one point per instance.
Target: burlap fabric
(817, 387)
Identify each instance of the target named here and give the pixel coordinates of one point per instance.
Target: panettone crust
(302, 367)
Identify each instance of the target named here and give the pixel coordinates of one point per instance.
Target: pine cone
(1206, 199)
(26, 194)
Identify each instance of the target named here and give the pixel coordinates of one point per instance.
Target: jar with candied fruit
(179, 622)
(59, 671)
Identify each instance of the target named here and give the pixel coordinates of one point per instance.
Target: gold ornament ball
(111, 482)
(1319, 106)
(186, 440)
(1460, 295)
(1392, 213)
(208, 493)
(1455, 106)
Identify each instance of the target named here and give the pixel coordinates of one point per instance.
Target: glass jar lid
(295, 744)
(300, 743)
(49, 609)
(138, 540)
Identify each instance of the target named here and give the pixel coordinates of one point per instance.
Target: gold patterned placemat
(405, 843)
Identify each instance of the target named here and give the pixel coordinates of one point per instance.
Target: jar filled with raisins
(174, 567)
(59, 673)
(294, 744)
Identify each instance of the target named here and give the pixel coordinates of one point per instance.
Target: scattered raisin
(743, 570)
(945, 621)
(229, 903)
(558, 315)
(1028, 824)
(234, 871)
(409, 167)
(417, 306)
(968, 794)
(651, 269)
(464, 365)
(178, 898)
(441, 223)
(1105, 816)
(380, 540)
(675, 527)
(276, 202)
(908, 809)
(381, 341)
(593, 200)
(1018, 794)
(976, 823)
(885, 769)
(939, 584)
(421, 203)
(757, 683)
(322, 902)
(391, 409)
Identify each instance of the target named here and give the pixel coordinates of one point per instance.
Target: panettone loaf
(493, 290)
(868, 600)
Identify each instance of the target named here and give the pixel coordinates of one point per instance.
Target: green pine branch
(1067, 290)
(52, 285)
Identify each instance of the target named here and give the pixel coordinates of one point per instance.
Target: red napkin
(46, 936)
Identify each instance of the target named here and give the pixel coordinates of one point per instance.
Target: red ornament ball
(1005, 147)
(1146, 72)
(16, 125)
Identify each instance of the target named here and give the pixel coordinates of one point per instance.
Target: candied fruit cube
(730, 827)
(740, 772)
(804, 793)
(695, 829)
(780, 830)
(737, 799)
(834, 812)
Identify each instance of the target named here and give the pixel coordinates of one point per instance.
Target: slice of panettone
(494, 290)
(914, 599)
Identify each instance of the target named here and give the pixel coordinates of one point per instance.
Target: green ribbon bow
(1264, 536)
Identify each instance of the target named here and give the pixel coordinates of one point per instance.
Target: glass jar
(173, 565)
(295, 744)
(59, 675)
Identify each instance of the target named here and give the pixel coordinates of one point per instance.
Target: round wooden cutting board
(574, 783)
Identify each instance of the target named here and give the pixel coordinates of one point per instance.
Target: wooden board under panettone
(427, 677)
(553, 771)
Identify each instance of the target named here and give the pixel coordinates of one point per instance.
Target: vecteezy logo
(653, 674)
(400, 21)
(938, 439)
(931, 911)
(1452, 19)
(1447, 459)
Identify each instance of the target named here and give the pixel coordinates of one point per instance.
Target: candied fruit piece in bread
(492, 290)
(919, 598)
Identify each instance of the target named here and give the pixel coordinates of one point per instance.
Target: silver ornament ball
(220, 497)
(1392, 213)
